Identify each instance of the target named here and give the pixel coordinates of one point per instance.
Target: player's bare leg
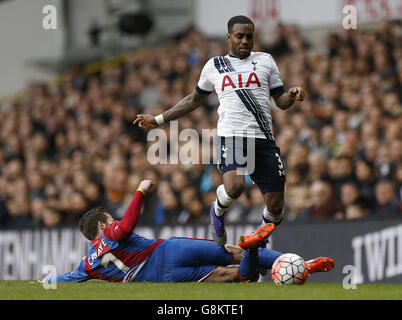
(233, 186)
(234, 183)
(223, 274)
(273, 211)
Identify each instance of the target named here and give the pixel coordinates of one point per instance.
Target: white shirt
(243, 87)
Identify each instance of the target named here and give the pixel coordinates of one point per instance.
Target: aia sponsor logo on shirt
(227, 81)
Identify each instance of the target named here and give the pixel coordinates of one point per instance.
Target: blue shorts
(183, 260)
(260, 158)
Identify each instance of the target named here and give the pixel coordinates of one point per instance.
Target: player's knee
(235, 189)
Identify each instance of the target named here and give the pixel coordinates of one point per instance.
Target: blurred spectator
(317, 167)
(388, 204)
(38, 205)
(340, 171)
(355, 211)
(329, 144)
(51, 218)
(36, 185)
(257, 206)
(168, 208)
(280, 44)
(193, 212)
(4, 215)
(384, 163)
(350, 195)
(20, 212)
(333, 44)
(366, 180)
(398, 176)
(298, 200)
(179, 181)
(239, 211)
(115, 183)
(323, 203)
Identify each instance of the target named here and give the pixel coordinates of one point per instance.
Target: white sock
(269, 217)
(223, 201)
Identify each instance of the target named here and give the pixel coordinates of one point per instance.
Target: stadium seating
(67, 147)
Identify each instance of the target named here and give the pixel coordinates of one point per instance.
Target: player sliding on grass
(117, 254)
(246, 82)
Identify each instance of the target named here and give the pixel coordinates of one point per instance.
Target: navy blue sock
(248, 265)
(267, 257)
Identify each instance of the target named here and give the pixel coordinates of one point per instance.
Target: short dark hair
(238, 19)
(88, 223)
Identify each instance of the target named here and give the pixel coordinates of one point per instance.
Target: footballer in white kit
(248, 84)
(243, 87)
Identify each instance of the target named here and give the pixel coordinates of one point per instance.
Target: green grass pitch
(100, 290)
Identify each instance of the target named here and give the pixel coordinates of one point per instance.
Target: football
(289, 268)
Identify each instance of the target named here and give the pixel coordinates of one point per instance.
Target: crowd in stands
(67, 148)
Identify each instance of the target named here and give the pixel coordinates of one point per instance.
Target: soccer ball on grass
(289, 268)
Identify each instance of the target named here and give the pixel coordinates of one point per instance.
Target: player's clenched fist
(147, 185)
(296, 93)
(146, 121)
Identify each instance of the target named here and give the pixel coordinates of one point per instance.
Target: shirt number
(281, 171)
(111, 258)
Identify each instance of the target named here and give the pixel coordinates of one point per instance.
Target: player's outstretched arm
(123, 229)
(78, 275)
(286, 99)
(184, 106)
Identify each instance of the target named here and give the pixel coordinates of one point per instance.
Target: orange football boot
(320, 264)
(256, 239)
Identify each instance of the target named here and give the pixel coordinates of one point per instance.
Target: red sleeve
(119, 230)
